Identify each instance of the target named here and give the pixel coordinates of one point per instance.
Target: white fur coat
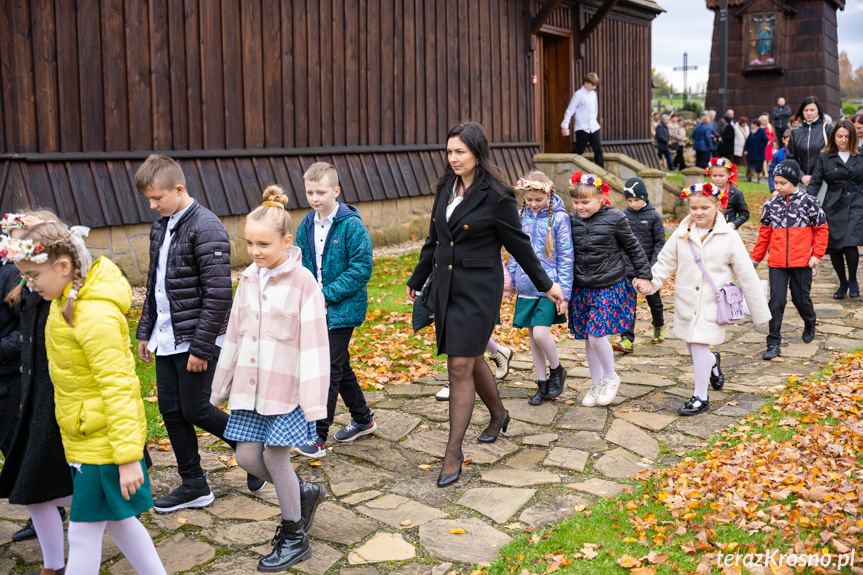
(725, 258)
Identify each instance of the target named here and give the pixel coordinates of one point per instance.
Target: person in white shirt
(584, 105)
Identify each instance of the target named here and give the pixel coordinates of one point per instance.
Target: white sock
(49, 529)
(137, 546)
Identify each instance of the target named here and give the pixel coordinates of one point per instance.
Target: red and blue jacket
(793, 229)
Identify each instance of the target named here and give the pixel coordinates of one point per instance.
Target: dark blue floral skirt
(601, 311)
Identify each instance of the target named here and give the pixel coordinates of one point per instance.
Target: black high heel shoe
(840, 293)
(486, 437)
(446, 480)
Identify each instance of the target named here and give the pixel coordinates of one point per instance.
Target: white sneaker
(443, 394)
(501, 361)
(609, 390)
(592, 395)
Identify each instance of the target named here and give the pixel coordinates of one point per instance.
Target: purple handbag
(729, 299)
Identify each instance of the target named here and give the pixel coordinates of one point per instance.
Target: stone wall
(388, 221)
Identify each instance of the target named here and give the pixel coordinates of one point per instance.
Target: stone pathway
(384, 514)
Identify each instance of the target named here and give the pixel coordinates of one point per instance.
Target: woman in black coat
(808, 138)
(474, 213)
(726, 138)
(841, 167)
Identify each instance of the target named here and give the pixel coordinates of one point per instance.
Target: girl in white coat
(725, 258)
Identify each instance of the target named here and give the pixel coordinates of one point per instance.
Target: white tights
(703, 361)
(85, 546)
(600, 358)
(542, 348)
(49, 529)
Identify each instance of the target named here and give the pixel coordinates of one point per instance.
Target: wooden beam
(594, 21)
(539, 19)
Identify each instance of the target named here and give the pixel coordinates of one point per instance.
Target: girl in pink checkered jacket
(274, 371)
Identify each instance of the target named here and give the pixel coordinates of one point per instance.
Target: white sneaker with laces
(609, 390)
(592, 395)
(443, 394)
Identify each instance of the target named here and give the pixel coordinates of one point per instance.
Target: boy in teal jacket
(337, 249)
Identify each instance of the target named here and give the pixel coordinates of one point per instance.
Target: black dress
(35, 470)
(464, 255)
(843, 202)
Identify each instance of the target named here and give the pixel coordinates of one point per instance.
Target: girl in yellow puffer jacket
(96, 392)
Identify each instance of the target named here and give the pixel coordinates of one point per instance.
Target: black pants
(343, 381)
(582, 139)
(801, 282)
(655, 303)
(10, 410)
(679, 160)
(666, 154)
(184, 402)
(702, 159)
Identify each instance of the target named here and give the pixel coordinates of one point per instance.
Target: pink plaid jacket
(276, 354)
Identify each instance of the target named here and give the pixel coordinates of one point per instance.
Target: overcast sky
(687, 26)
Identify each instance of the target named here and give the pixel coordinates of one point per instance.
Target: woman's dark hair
(831, 146)
(810, 100)
(743, 121)
(487, 173)
(858, 118)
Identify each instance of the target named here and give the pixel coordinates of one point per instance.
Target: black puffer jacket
(10, 325)
(600, 242)
(648, 228)
(737, 212)
(198, 280)
(806, 143)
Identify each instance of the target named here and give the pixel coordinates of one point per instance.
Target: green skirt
(539, 311)
(96, 494)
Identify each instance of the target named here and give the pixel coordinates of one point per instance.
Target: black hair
(810, 100)
(487, 173)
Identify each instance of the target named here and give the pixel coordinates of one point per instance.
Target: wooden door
(556, 91)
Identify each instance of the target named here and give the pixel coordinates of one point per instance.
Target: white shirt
(585, 107)
(845, 156)
(454, 200)
(266, 273)
(322, 230)
(162, 338)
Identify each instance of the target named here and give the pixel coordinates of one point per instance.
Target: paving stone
(585, 440)
(526, 458)
(238, 535)
(360, 571)
(641, 378)
(6, 566)
(345, 477)
(577, 372)
(498, 503)
(360, 497)
(746, 404)
(513, 393)
(178, 554)
(425, 489)
(378, 452)
(7, 529)
(704, 425)
(389, 404)
(410, 390)
(435, 410)
(236, 565)
(242, 507)
(676, 441)
(518, 477)
(566, 458)
(414, 569)
(210, 461)
(716, 397)
(800, 350)
(553, 510)
(31, 552)
(620, 464)
(598, 487)
(393, 425)
(842, 343)
(660, 401)
(382, 547)
(631, 391)
(517, 428)
(540, 414)
(480, 542)
(832, 310)
(171, 521)
(646, 419)
(395, 509)
(14, 512)
(162, 459)
(323, 557)
(833, 329)
(544, 439)
(583, 418)
(339, 525)
(434, 441)
(627, 435)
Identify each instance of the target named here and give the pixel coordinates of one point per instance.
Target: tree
(850, 79)
(662, 87)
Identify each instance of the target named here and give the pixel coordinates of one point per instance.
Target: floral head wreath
(528, 185)
(18, 221)
(603, 187)
(722, 163)
(706, 189)
(14, 250)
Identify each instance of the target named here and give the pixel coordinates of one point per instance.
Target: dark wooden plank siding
(114, 75)
(45, 74)
(232, 55)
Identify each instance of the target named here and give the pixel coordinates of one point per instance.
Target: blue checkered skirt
(283, 430)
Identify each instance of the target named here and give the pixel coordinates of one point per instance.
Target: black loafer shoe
(694, 406)
(717, 381)
(808, 333)
(26, 533)
(773, 351)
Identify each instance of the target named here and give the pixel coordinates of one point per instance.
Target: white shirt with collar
(162, 339)
(266, 273)
(584, 105)
(322, 230)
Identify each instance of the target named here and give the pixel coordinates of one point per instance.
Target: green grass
(147, 375)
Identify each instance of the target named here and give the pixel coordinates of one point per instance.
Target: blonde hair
(540, 177)
(14, 296)
(581, 191)
(320, 170)
(716, 201)
(160, 172)
(55, 237)
(273, 212)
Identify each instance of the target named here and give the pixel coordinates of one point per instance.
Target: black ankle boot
(541, 393)
(556, 380)
(853, 289)
(290, 546)
(840, 293)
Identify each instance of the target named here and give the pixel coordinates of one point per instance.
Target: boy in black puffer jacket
(646, 224)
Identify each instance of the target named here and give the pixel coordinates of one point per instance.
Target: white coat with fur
(725, 258)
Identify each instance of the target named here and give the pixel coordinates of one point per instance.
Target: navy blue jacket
(755, 147)
(702, 138)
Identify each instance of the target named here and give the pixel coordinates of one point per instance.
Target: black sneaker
(311, 495)
(355, 430)
(255, 484)
(772, 351)
(556, 381)
(809, 332)
(541, 393)
(192, 494)
(718, 380)
(694, 406)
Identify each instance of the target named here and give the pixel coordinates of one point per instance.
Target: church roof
(714, 4)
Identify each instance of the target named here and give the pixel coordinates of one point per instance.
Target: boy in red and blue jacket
(794, 231)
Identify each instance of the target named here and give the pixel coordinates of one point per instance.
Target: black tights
(468, 377)
(850, 256)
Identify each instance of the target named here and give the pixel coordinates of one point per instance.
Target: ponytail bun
(275, 195)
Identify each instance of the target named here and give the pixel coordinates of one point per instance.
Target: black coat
(736, 212)
(780, 117)
(10, 330)
(464, 255)
(805, 144)
(843, 202)
(755, 147)
(662, 137)
(198, 280)
(600, 243)
(726, 146)
(648, 228)
(35, 470)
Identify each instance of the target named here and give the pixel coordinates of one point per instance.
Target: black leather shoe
(717, 381)
(840, 293)
(808, 333)
(290, 546)
(694, 406)
(556, 380)
(773, 351)
(26, 533)
(541, 393)
(311, 495)
(445, 480)
(853, 289)
(486, 437)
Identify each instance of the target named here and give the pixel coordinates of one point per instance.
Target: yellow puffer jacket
(96, 391)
